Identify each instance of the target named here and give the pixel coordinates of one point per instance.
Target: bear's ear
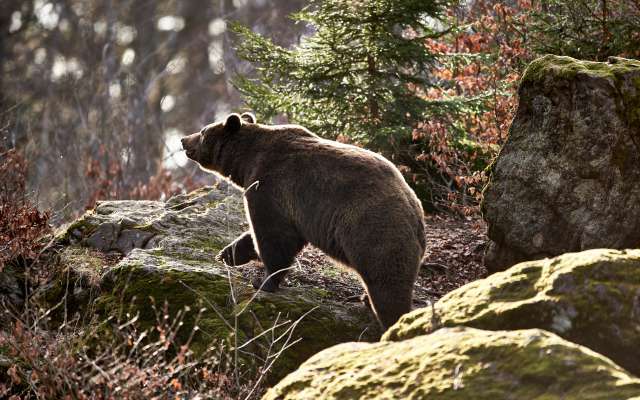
(233, 123)
(248, 117)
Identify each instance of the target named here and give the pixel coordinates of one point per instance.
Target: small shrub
(76, 361)
(22, 225)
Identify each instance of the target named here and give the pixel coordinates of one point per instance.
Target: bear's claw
(225, 255)
(268, 286)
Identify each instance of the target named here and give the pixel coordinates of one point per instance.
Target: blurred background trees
(96, 94)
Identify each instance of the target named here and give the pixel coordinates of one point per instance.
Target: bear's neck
(237, 157)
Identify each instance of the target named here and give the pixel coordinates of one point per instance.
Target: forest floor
(455, 247)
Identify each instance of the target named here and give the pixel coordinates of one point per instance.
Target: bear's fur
(351, 203)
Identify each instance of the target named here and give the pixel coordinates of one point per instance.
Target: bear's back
(294, 155)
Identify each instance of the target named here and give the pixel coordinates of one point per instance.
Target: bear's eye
(203, 134)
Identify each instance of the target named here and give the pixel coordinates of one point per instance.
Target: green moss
(134, 288)
(179, 284)
(321, 293)
(460, 363)
(192, 251)
(212, 243)
(80, 228)
(588, 298)
(519, 285)
(567, 67)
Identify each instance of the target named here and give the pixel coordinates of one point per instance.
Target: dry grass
(22, 225)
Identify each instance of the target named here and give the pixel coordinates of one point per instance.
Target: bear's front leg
(277, 239)
(240, 251)
(277, 254)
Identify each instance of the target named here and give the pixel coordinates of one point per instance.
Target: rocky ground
(564, 325)
(453, 258)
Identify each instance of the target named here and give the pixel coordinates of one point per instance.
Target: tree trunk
(144, 122)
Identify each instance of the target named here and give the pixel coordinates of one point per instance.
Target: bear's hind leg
(240, 251)
(387, 258)
(389, 299)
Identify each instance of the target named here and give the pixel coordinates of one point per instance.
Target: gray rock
(567, 177)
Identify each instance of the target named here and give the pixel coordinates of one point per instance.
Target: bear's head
(204, 147)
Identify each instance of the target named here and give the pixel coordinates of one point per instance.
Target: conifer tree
(586, 29)
(362, 71)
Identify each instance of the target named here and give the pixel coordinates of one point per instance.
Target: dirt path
(453, 258)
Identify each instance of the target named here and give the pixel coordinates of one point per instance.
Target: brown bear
(351, 203)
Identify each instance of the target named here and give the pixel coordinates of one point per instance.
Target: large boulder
(460, 363)
(591, 298)
(567, 177)
(128, 258)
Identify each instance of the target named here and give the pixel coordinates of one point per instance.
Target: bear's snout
(190, 144)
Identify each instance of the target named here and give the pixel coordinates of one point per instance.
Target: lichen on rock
(566, 178)
(460, 363)
(591, 298)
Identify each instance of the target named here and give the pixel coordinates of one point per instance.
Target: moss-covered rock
(319, 321)
(562, 67)
(166, 252)
(591, 298)
(567, 175)
(460, 363)
(191, 225)
(76, 282)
